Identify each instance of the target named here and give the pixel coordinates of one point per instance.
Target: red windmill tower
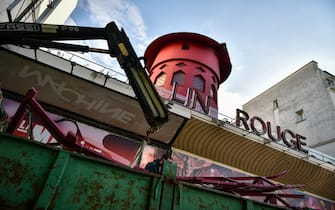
(188, 68)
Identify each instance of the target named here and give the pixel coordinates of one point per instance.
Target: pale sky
(266, 40)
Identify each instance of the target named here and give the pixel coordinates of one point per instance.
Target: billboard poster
(81, 96)
(109, 145)
(192, 166)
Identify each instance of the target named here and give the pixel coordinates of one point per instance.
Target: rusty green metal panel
(88, 184)
(53, 180)
(35, 176)
(23, 168)
(191, 197)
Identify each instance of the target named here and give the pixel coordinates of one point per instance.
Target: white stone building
(37, 11)
(303, 102)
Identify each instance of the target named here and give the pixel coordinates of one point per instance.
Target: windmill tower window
(181, 64)
(212, 92)
(178, 77)
(199, 83)
(160, 79)
(185, 46)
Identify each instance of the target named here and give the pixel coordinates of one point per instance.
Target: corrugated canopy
(227, 146)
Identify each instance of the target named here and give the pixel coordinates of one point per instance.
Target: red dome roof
(220, 49)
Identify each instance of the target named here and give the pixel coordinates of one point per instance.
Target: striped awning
(238, 150)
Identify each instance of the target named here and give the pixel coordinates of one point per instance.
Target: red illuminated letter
(270, 133)
(299, 142)
(243, 119)
(252, 125)
(283, 135)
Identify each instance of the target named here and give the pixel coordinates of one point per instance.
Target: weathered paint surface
(35, 176)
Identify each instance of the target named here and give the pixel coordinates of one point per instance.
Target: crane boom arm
(44, 35)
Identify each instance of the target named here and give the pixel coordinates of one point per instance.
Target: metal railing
(81, 60)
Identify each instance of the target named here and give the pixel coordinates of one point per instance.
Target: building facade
(303, 102)
(39, 11)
